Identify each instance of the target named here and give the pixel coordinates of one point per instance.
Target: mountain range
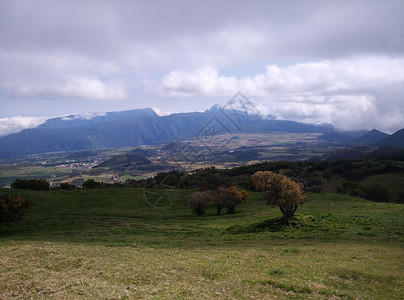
(143, 126)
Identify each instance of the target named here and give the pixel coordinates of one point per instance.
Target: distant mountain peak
(242, 105)
(396, 139)
(370, 138)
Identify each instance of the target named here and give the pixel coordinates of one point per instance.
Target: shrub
(11, 207)
(199, 201)
(230, 197)
(280, 190)
(378, 192)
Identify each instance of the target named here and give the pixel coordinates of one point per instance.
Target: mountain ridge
(143, 126)
(370, 138)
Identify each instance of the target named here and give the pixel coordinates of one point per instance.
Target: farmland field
(114, 243)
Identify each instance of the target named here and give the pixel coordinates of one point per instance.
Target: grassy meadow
(122, 243)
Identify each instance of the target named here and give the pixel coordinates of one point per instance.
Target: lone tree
(280, 190)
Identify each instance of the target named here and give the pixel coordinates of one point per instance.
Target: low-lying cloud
(18, 123)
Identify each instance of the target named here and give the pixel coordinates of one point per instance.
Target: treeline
(31, 184)
(313, 173)
(348, 173)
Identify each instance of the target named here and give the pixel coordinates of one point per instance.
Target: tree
(199, 200)
(212, 182)
(230, 197)
(11, 206)
(92, 184)
(31, 184)
(280, 190)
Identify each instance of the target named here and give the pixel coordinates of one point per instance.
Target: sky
(335, 62)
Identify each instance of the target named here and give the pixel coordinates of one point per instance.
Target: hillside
(370, 138)
(341, 136)
(128, 160)
(396, 140)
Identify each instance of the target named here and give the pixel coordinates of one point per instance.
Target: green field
(113, 244)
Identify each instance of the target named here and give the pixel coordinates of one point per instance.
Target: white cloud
(18, 123)
(353, 93)
(72, 88)
(205, 81)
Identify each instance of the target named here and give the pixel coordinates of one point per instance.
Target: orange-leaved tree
(280, 190)
(230, 197)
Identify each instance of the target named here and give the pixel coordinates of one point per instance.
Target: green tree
(31, 184)
(91, 184)
(280, 190)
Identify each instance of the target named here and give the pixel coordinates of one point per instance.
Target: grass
(112, 243)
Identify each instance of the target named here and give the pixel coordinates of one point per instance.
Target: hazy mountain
(370, 138)
(396, 140)
(139, 127)
(341, 136)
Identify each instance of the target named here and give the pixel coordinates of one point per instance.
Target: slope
(396, 140)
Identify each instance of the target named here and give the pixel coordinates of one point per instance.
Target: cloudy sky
(338, 62)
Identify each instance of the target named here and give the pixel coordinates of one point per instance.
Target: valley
(221, 151)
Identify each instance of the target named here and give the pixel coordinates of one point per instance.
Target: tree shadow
(272, 225)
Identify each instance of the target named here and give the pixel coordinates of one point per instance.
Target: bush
(11, 206)
(378, 192)
(199, 201)
(230, 197)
